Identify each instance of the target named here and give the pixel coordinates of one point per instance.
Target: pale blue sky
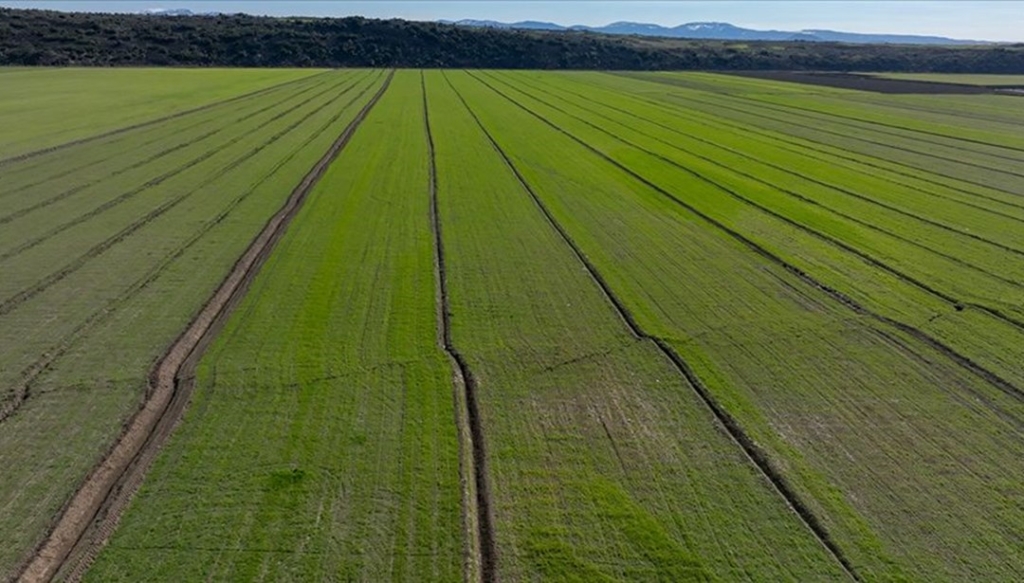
(1001, 20)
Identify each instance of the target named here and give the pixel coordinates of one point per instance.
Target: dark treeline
(40, 37)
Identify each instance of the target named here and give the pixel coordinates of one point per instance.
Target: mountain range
(721, 31)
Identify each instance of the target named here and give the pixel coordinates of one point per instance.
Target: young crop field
(509, 326)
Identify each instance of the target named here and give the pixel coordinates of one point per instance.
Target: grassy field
(332, 392)
(105, 265)
(529, 326)
(42, 108)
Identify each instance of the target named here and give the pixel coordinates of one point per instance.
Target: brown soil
(865, 82)
(91, 516)
(481, 560)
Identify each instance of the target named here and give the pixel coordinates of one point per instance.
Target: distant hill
(725, 31)
(43, 37)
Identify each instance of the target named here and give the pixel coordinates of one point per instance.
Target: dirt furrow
(66, 145)
(22, 392)
(732, 427)
(482, 548)
(14, 301)
(975, 368)
(95, 509)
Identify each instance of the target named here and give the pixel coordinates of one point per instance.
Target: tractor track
(129, 194)
(963, 361)
(14, 301)
(482, 552)
(93, 512)
(86, 140)
(22, 392)
(753, 452)
(135, 165)
(160, 137)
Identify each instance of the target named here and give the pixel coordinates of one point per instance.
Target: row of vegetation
(33, 37)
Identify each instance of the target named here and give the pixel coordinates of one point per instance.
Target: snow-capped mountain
(720, 31)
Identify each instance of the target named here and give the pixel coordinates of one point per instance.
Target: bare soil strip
(96, 507)
(865, 82)
(481, 560)
(28, 155)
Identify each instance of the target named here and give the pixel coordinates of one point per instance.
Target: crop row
(88, 309)
(832, 390)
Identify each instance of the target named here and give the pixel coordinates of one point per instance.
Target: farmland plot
(834, 393)
(603, 459)
(42, 108)
(98, 281)
(321, 443)
(530, 326)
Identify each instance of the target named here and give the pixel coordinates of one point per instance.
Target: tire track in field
(70, 171)
(96, 507)
(14, 301)
(793, 193)
(23, 391)
(781, 140)
(129, 194)
(482, 551)
(780, 168)
(752, 451)
(169, 150)
(66, 145)
(753, 112)
(961, 360)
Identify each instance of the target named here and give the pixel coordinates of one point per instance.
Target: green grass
(42, 108)
(307, 455)
(117, 269)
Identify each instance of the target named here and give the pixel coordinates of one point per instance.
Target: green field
(528, 326)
